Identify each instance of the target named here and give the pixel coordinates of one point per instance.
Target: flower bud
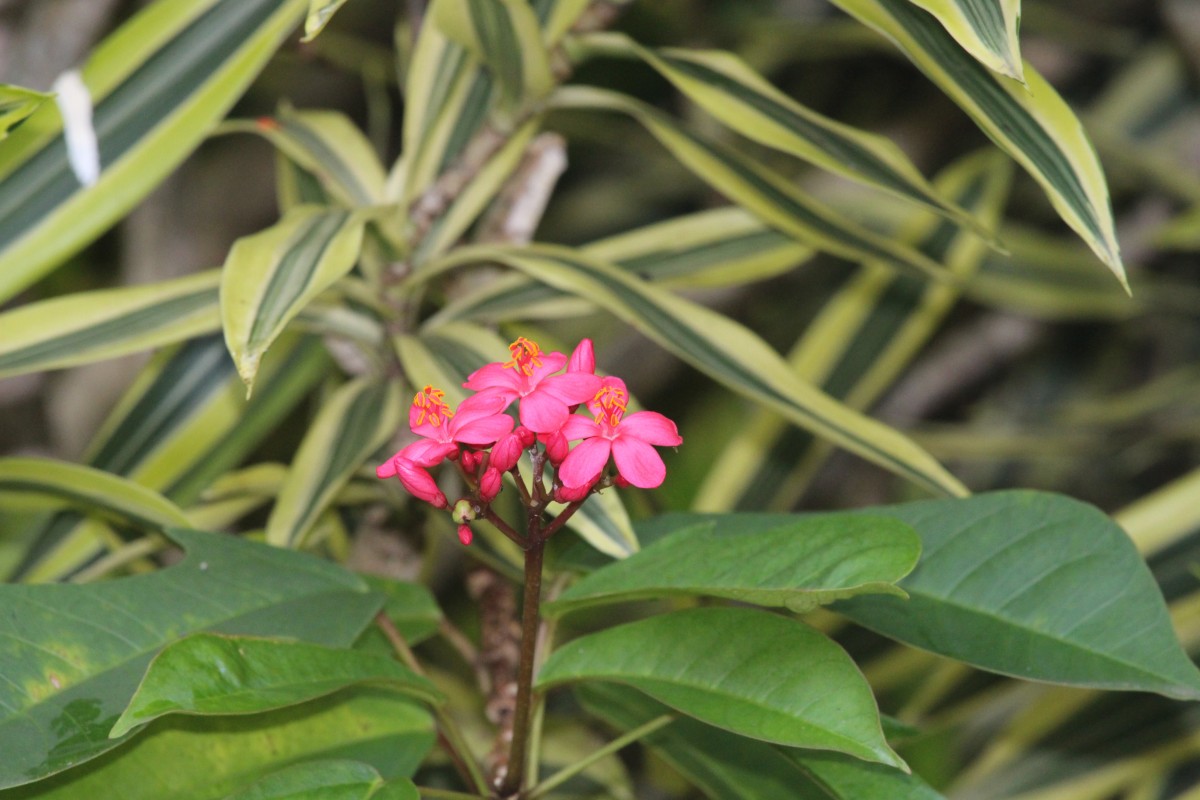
(569, 494)
(528, 437)
(556, 447)
(464, 534)
(583, 359)
(463, 511)
(506, 452)
(489, 484)
(621, 482)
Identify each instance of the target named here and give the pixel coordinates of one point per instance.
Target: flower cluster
(560, 401)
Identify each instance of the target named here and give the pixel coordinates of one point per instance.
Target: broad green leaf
(74, 653)
(755, 187)
(726, 87)
(354, 422)
(447, 97)
(1031, 123)
(987, 29)
(269, 277)
(728, 767)
(719, 347)
(750, 672)
(798, 565)
(159, 84)
(16, 104)
(319, 14)
(184, 422)
(1037, 586)
(711, 248)
(859, 343)
(327, 780)
(410, 607)
(93, 326)
(327, 146)
(89, 488)
(504, 35)
(207, 758)
(209, 674)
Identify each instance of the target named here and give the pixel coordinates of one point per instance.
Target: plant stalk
(530, 615)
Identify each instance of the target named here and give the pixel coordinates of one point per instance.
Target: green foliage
(771, 271)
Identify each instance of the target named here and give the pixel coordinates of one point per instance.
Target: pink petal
(578, 426)
(605, 382)
(542, 412)
(637, 462)
(481, 430)
(418, 482)
(387, 469)
(551, 363)
(652, 428)
(572, 388)
(495, 376)
(426, 453)
(583, 465)
(583, 359)
(486, 403)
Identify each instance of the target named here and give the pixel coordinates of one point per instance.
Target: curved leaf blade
(755, 674)
(759, 190)
(16, 104)
(328, 779)
(319, 14)
(987, 29)
(719, 347)
(355, 422)
(74, 652)
(207, 674)
(94, 326)
(799, 564)
(271, 276)
(1031, 123)
(83, 486)
(1038, 586)
(159, 84)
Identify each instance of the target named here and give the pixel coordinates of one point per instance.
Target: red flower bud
(489, 484)
(556, 447)
(507, 452)
(464, 534)
(569, 494)
(527, 436)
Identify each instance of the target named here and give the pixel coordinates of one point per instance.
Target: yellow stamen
(613, 404)
(433, 407)
(525, 356)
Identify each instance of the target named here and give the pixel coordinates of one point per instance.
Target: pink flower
(480, 421)
(546, 398)
(630, 440)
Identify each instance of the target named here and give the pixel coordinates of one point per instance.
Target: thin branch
(565, 774)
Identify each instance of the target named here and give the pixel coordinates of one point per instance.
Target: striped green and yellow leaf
(726, 87)
(861, 340)
(504, 35)
(1029, 122)
(88, 488)
(987, 29)
(268, 278)
(722, 349)
(16, 104)
(93, 326)
(159, 84)
(183, 423)
(758, 189)
(319, 14)
(355, 421)
(327, 145)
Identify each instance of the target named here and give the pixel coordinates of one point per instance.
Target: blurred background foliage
(1043, 374)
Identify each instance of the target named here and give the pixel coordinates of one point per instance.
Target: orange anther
(433, 407)
(525, 355)
(613, 403)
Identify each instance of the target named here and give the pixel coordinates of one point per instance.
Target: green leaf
(756, 187)
(319, 14)
(728, 767)
(208, 674)
(987, 29)
(410, 607)
(753, 673)
(504, 35)
(327, 146)
(158, 84)
(16, 104)
(1031, 123)
(207, 758)
(1037, 586)
(73, 654)
(719, 347)
(93, 326)
(799, 564)
(91, 489)
(269, 277)
(354, 422)
(327, 780)
(726, 87)
(183, 423)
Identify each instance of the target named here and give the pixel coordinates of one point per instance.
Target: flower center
(525, 356)
(609, 405)
(433, 407)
